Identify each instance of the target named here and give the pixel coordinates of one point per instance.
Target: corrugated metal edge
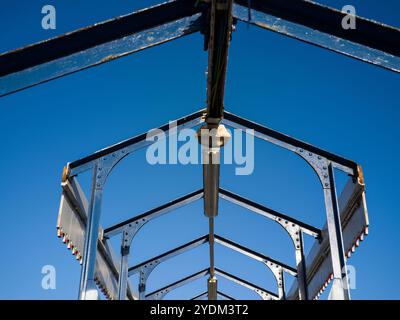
(73, 207)
(354, 216)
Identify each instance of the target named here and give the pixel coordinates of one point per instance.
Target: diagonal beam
(267, 212)
(288, 142)
(160, 293)
(246, 284)
(134, 143)
(80, 43)
(205, 294)
(154, 213)
(204, 239)
(253, 254)
(169, 254)
(318, 24)
(224, 295)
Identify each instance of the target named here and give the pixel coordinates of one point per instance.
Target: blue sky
(329, 100)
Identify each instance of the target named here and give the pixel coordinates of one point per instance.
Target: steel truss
(79, 218)
(101, 163)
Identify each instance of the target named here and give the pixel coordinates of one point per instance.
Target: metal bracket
(105, 165)
(318, 163)
(277, 271)
(296, 235)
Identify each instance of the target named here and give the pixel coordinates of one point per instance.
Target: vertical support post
(277, 271)
(88, 289)
(142, 285)
(296, 234)
(123, 273)
(212, 283)
(212, 280)
(340, 288)
(281, 285)
(301, 267)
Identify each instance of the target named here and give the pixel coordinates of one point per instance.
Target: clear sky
(337, 103)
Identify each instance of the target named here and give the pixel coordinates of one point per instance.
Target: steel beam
(133, 144)
(267, 212)
(370, 41)
(263, 293)
(289, 143)
(88, 289)
(219, 294)
(253, 254)
(145, 268)
(96, 44)
(160, 293)
(218, 45)
(154, 213)
(169, 254)
(340, 287)
(224, 295)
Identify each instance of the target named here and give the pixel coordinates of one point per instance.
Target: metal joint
(292, 229)
(318, 163)
(105, 165)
